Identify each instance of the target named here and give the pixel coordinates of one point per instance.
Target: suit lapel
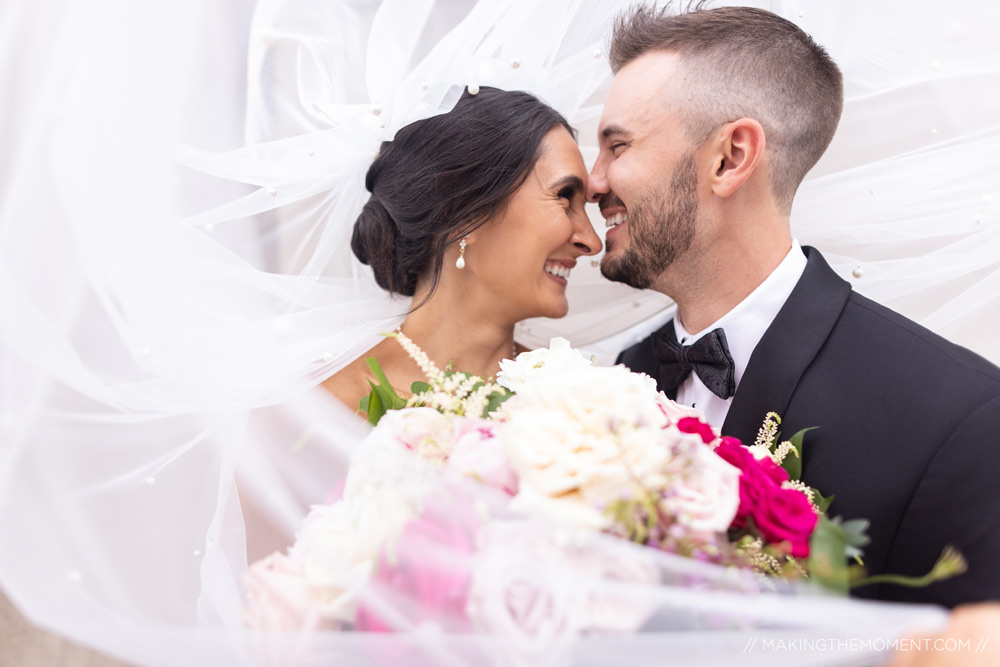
(787, 348)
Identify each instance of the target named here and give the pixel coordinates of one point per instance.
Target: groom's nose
(597, 182)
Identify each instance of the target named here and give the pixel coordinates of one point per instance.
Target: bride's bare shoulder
(350, 384)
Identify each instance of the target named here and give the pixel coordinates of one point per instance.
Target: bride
(478, 215)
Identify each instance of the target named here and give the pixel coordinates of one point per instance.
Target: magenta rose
(759, 478)
(786, 515)
(695, 425)
(733, 451)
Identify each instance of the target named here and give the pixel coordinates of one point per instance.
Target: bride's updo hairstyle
(442, 178)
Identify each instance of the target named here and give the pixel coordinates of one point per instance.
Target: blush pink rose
(674, 411)
(786, 515)
(478, 453)
(423, 430)
(426, 576)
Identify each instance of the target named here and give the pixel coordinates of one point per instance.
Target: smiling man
(713, 120)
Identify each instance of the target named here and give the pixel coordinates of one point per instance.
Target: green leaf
(827, 564)
(793, 463)
(376, 408)
(495, 400)
(383, 396)
(419, 387)
(856, 532)
(822, 502)
(390, 399)
(383, 381)
(363, 403)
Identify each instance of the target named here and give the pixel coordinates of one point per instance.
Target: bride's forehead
(559, 153)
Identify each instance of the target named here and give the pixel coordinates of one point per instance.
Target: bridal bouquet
(462, 492)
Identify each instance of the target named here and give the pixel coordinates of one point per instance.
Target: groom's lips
(615, 217)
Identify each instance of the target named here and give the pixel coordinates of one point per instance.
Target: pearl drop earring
(460, 262)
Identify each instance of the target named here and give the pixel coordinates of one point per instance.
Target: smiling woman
(478, 214)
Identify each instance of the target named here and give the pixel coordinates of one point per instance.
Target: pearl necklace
(408, 343)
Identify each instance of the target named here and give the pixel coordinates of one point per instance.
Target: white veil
(177, 187)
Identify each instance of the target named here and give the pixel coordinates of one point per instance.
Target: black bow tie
(708, 357)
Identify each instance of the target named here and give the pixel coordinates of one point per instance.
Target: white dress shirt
(744, 325)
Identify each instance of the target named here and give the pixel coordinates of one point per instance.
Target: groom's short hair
(743, 62)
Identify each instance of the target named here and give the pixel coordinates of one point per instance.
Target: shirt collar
(746, 323)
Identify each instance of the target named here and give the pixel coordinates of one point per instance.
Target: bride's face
(523, 256)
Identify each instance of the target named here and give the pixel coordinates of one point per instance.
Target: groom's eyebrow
(613, 131)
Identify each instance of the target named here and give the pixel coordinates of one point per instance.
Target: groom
(712, 121)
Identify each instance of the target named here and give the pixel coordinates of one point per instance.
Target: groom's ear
(738, 149)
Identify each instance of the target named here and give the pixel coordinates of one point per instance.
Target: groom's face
(644, 179)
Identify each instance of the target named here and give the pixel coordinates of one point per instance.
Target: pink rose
(478, 453)
(709, 496)
(426, 576)
(674, 411)
(695, 425)
(786, 515)
(423, 430)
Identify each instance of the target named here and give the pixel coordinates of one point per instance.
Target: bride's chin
(550, 310)
(557, 311)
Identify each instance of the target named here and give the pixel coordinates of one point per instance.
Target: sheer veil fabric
(177, 189)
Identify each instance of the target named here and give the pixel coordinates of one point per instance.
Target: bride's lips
(558, 269)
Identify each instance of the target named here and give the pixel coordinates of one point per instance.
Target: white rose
(580, 438)
(558, 358)
(405, 450)
(339, 543)
(279, 598)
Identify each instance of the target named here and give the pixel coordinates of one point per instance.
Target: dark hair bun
(374, 242)
(441, 178)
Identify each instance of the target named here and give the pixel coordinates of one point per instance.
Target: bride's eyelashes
(569, 188)
(569, 193)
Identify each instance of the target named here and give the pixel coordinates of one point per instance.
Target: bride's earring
(460, 262)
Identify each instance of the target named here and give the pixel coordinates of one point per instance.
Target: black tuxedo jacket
(909, 429)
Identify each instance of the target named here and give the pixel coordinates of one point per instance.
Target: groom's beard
(660, 229)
